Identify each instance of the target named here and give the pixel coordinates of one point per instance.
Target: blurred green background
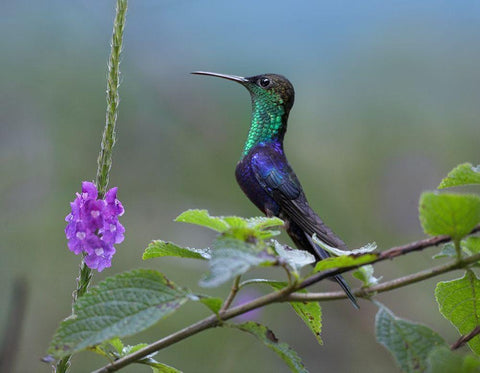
(387, 103)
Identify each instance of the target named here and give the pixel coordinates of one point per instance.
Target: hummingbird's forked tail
(343, 284)
(322, 254)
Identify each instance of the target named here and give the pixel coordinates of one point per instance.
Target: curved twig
(285, 294)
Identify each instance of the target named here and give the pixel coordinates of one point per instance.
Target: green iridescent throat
(268, 122)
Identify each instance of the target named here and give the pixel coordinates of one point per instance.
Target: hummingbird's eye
(264, 82)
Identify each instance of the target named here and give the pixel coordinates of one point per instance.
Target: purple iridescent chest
(248, 181)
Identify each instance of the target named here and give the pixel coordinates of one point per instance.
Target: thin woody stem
(465, 338)
(386, 286)
(231, 295)
(285, 294)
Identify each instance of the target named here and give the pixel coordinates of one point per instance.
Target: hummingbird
(265, 175)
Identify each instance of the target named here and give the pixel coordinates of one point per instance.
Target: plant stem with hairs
(106, 147)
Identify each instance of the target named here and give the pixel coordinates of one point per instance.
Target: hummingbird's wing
(277, 178)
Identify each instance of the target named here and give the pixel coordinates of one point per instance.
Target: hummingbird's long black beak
(235, 78)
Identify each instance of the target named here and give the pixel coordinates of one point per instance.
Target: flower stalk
(113, 81)
(106, 148)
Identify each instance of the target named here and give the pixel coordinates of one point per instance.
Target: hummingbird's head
(269, 89)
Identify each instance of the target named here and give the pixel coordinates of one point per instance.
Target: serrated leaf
(261, 222)
(112, 349)
(232, 257)
(343, 261)
(368, 248)
(159, 248)
(463, 174)
(202, 218)
(295, 259)
(119, 306)
(233, 226)
(309, 312)
(288, 355)
(235, 221)
(410, 343)
(452, 214)
(365, 274)
(442, 360)
(117, 344)
(459, 302)
(448, 251)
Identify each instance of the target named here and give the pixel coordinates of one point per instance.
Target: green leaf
(127, 350)
(233, 226)
(261, 223)
(232, 257)
(448, 251)
(122, 351)
(442, 360)
(202, 218)
(295, 259)
(160, 367)
(235, 222)
(246, 229)
(365, 274)
(309, 312)
(463, 174)
(459, 302)
(265, 335)
(214, 304)
(160, 248)
(452, 214)
(410, 343)
(119, 306)
(343, 261)
(112, 349)
(471, 245)
(117, 344)
(369, 247)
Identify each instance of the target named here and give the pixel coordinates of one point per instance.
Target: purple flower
(93, 227)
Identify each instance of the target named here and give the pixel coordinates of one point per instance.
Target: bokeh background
(387, 103)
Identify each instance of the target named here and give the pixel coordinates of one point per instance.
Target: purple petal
(92, 261)
(111, 195)
(100, 258)
(93, 214)
(93, 226)
(77, 234)
(114, 206)
(89, 190)
(93, 243)
(75, 246)
(70, 229)
(112, 231)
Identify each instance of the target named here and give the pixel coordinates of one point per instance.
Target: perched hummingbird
(264, 173)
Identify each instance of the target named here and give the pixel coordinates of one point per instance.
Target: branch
(387, 254)
(465, 338)
(386, 286)
(284, 294)
(231, 295)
